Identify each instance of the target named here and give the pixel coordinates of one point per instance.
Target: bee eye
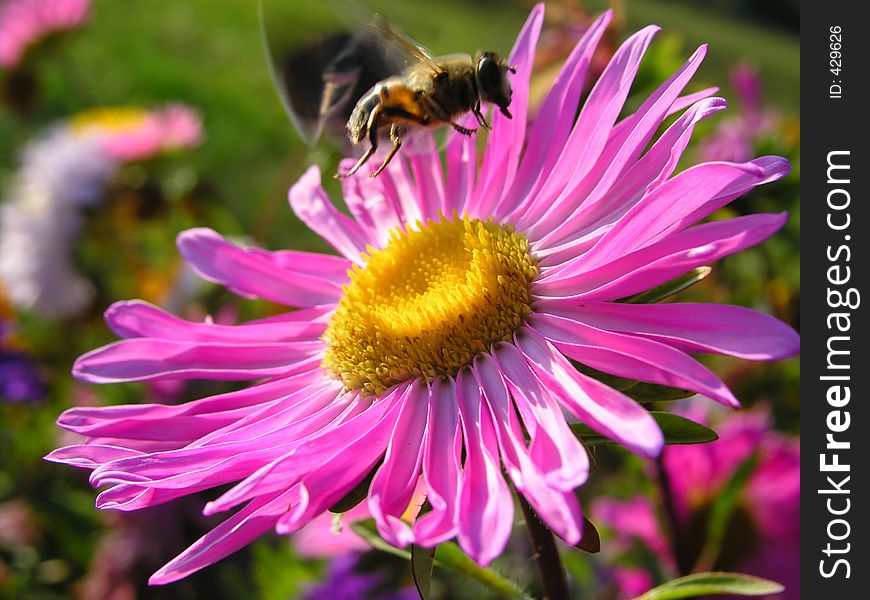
(492, 82)
(489, 75)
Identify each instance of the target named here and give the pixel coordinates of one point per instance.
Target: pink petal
(681, 201)
(325, 266)
(659, 262)
(335, 477)
(160, 422)
(485, 505)
(590, 133)
(558, 508)
(684, 102)
(554, 119)
(461, 168)
(426, 167)
(441, 471)
(715, 328)
(313, 207)
(89, 456)
(258, 517)
(136, 318)
(368, 204)
(623, 148)
(554, 448)
(505, 143)
(146, 359)
(399, 191)
(394, 483)
(604, 409)
(584, 228)
(232, 457)
(250, 274)
(629, 356)
(318, 450)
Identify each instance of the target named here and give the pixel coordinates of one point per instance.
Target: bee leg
(437, 110)
(373, 140)
(480, 118)
(397, 143)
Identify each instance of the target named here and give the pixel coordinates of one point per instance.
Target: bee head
(492, 81)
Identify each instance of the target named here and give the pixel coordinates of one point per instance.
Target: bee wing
(320, 80)
(401, 46)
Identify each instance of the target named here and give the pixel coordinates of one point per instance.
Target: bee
(430, 92)
(360, 85)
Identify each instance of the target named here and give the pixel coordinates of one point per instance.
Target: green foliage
(422, 564)
(676, 430)
(703, 584)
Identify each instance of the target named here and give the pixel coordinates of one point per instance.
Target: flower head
(443, 335)
(23, 23)
(131, 134)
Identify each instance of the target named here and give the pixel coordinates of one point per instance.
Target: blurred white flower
(61, 173)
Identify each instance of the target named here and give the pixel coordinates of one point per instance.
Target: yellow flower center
(109, 119)
(428, 302)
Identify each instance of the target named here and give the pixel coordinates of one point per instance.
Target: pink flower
(131, 134)
(322, 538)
(23, 23)
(767, 531)
(433, 344)
(735, 138)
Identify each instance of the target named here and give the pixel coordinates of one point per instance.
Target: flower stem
(546, 555)
(684, 563)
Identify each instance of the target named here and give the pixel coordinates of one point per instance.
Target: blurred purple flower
(763, 537)
(19, 375)
(443, 335)
(344, 581)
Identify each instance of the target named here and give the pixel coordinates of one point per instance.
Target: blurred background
(124, 123)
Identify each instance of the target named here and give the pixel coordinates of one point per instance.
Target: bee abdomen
(357, 124)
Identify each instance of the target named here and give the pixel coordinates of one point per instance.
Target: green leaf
(590, 541)
(637, 390)
(680, 430)
(653, 392)
(618, 383)
(674, 286)
(702, 584)
(447, 555)
(451, 556)
(676, 429)
(422, 564)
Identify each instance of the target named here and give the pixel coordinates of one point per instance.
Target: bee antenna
(512, 69)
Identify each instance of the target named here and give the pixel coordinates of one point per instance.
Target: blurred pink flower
(767, 539)
(735, 138)
(23, 23)
(632, 582)
(131, 134)
(430, 349)
(321, 538)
